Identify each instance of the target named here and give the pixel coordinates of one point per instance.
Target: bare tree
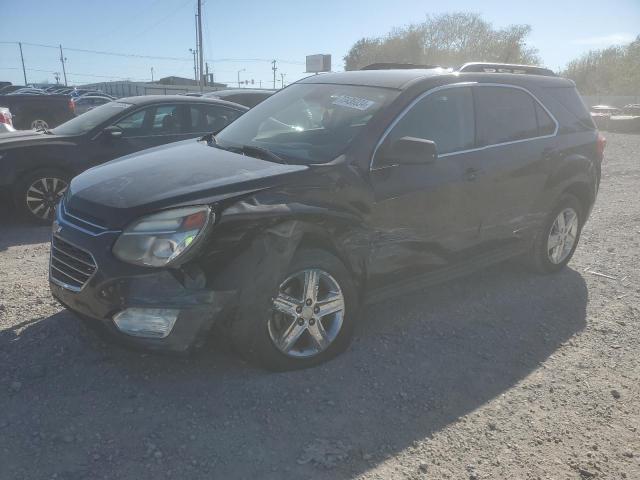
(449, 39)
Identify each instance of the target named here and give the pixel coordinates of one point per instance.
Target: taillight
(72, 105)
(601, 144)
(5, 117)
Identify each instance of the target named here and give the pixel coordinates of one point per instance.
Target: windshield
(307, 123)
(91, 119)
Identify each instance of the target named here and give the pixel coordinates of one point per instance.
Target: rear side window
(444, 117)
(505, 115)
(580, 118)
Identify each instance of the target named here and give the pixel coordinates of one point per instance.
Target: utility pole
(24, 71)
(243, 70)
(63, 60)
(206, 77)
(200, 43)
(151, 74)
(56, 75)
(195, 65)
(282, 75)
(274, 68)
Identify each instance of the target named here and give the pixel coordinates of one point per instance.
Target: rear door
(422, 217)
(516, 136)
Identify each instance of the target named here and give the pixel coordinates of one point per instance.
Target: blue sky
(238, 34)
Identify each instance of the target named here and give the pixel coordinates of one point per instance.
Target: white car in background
(6, 120)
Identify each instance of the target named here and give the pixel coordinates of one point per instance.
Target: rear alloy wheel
(562, 236)
(38, 195)
(557, 241)
(39, 124)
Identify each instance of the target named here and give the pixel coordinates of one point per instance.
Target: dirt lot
(501, 375)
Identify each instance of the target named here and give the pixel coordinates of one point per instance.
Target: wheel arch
(583, 192)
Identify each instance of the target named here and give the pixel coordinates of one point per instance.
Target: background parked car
(247, 97)
(38, 111)
(87, 102)
(37, 166)
(6, 122)
(10, 88)
(28, 91)
(627, 121)
(601, 115)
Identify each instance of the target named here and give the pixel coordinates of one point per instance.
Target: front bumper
(116, 286)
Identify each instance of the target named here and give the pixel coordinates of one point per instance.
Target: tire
(259, 324)
(542, 258)
(46, 184)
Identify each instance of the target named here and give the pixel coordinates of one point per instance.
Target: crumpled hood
(184, 172)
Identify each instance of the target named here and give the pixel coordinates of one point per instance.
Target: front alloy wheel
(304, 318)
(308, 313)
(42, 196)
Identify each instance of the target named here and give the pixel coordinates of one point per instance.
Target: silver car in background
(85, 103)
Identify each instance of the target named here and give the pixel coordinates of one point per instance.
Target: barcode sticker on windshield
(353, 102)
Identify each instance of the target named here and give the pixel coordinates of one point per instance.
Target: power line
(156, 57)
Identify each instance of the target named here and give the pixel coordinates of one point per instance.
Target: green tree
(449, 39)
(610, 71)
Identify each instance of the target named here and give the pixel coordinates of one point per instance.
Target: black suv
(340, 189)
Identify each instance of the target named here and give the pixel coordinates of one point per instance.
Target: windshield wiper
(252, 150)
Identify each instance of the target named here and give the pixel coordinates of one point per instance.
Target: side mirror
(112, 131)
(409, 151)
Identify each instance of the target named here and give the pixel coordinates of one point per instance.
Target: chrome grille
(70, 266)
(89, 225)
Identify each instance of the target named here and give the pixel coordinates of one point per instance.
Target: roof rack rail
(487, 67)
(397, 66)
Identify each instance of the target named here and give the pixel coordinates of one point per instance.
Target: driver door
(424, 217)
(144, 128)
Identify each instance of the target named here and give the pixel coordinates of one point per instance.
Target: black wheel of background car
(37, 194)
(39, 124)
(305, 319)
(558, 239)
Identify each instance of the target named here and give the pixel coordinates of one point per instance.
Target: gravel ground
(500, 375)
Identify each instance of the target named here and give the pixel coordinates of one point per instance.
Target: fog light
(146, 322)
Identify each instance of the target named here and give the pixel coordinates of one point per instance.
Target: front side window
(444, 117)
(308, 123)
(505, 115)
(166, 120)
(133, 125)
(210, 118)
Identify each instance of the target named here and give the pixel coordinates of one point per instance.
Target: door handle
(471, 174)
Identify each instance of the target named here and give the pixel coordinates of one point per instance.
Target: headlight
(158, 239)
